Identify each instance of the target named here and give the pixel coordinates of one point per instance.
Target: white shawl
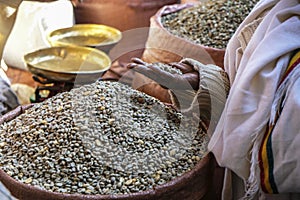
(255, 60)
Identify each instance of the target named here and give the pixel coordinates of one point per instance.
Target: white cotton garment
(8, 11)
(255, 62)
(34, 21)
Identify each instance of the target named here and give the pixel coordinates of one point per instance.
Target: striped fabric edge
(266, 162)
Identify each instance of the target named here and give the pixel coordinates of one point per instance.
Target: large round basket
(193, 185)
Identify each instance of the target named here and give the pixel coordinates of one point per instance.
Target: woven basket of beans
(94, 142)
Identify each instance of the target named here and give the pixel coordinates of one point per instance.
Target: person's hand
(187, 80)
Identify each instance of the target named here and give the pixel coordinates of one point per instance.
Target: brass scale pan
(71, 57)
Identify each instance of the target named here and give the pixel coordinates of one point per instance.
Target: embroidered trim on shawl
(266, 162)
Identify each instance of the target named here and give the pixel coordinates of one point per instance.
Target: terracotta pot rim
(167, 186)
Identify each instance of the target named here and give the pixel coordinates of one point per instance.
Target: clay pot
(193, 185)
(121, 14)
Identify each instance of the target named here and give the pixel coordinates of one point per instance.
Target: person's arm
(187, 79)
(199, 90)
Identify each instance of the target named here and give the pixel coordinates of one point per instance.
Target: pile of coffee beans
(101, 138)
(210, 23)
(167, 68)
